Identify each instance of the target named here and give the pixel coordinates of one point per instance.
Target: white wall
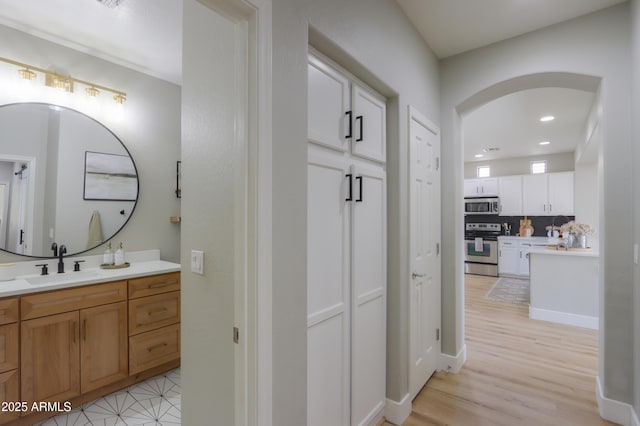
(372, 35)
(562, 162)
(149, 125)
(594, 45)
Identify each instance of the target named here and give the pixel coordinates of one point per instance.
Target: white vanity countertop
(142, 264)
(563, 252)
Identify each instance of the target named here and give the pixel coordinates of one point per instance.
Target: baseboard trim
(453, 364)
(564, 318)
(397, 412)
(615, 411)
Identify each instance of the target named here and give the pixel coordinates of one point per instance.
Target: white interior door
(424, 239)
(369, 283)
(328, 291)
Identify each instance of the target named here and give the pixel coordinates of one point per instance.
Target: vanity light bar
(64, 83)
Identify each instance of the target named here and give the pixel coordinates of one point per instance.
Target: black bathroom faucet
(62, 250)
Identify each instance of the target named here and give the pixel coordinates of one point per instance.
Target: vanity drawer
(154, 348)
(156, 284)
(58, 301)
(149, 313)
(9, 310)
(9, 347)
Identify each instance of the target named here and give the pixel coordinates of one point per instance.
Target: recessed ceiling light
(479, 155)
(492, 149)
(547, 118)
(545, 143)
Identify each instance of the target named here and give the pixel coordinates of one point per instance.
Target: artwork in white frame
(109, 177)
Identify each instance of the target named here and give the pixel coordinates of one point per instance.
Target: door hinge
(437, 249)
(437, 334)
(236, 335)
(437, 163)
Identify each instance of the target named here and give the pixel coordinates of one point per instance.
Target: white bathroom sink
(55, 278)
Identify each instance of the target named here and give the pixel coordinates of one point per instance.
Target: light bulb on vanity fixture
(64, 83)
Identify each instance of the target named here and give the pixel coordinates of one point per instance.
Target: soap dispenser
(119, 256)
(107, 258)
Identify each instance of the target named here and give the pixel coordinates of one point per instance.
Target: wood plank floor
(518, 371)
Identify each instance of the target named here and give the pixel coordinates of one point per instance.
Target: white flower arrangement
(576, 228)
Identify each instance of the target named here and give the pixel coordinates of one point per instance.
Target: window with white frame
(484, 171)
(538, 167)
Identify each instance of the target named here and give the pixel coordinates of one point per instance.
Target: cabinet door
(104, 351)
(8, 347)
(471, 188)
(508, 258)
(561, 193)
(50, 355)
(535, 198)
(510, 189)
(328, 101)
(368, 280)
(328, 308)
(369, 125)
(523, 259)
(9, 392)
(489, 187)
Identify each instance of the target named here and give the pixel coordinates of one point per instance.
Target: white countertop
(142, 264)
(532, 240)
(562, 252)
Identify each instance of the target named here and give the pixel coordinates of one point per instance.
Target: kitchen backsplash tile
(539, 223)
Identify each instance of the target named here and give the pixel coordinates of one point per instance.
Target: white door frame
(253, 305)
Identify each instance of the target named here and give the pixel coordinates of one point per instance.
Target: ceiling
(454, 26)
(512, 124)
(145, 35)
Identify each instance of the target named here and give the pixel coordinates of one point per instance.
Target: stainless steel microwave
(482, 205)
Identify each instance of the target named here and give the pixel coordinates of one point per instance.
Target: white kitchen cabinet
(481, 187)
(513, 255)
(369, 125)
(346, 270)
(510, 193)
(508, 258)
(548, 194)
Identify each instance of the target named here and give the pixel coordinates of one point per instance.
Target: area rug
(512, 290)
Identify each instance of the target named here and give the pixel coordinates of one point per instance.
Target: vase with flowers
(576, 233)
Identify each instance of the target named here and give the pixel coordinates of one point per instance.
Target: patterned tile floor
(154, 402)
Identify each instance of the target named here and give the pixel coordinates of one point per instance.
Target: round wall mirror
(64, 178)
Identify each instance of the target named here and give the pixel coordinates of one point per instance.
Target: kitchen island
(564, 286)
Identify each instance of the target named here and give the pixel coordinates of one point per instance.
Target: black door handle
(359, 179)
(21, 236)
(349, 135)
(360, 120)
(350, 197)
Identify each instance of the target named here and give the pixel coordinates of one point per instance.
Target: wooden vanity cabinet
(154, 321)
(9, 359)
(77, 343)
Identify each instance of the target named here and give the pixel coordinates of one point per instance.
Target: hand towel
(95, 230)
(479, 245)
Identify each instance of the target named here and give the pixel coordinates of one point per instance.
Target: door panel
(328, 100)
(369, 125)
(328, 299)
(425, 260)
(368, 280)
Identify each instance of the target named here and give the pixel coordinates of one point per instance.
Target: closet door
(328, 102)
(368, 281)
(369, 125)
(328, 306)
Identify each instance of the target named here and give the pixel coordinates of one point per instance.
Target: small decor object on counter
(107, 258)
(119, 256)
(7, 271)
(507, 228)
(526, 230)
(576, 234)
(124, 265)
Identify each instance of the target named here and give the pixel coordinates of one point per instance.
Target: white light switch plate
(197, 262)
